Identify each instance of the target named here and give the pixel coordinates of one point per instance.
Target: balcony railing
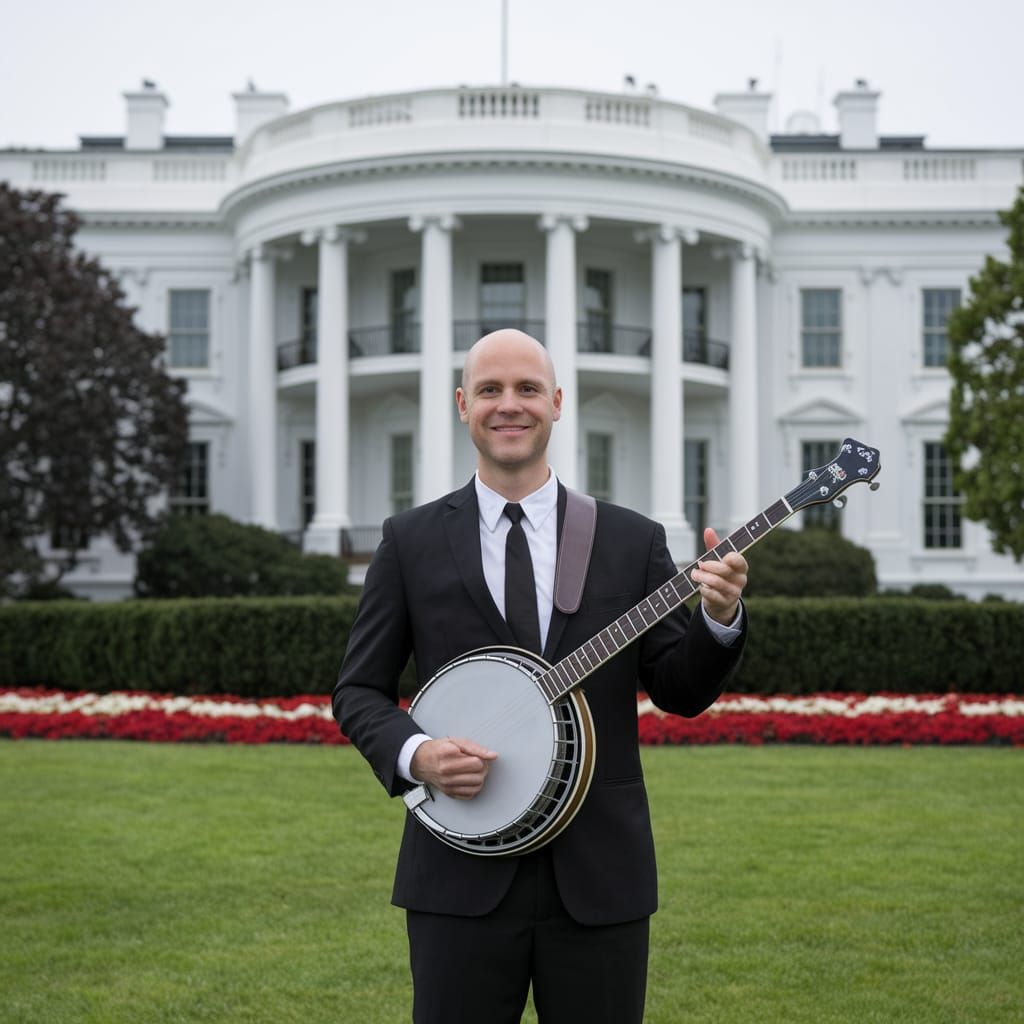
(300, 352)
(591, 337)
(614, 339)
(699, 348)
(388, 340)
(466, 333)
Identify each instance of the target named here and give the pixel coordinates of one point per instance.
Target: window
(941, 502)
(308, 325)
(401, 472)
(191, 495)
(695, 325)
(189, 328)
(937, 304)
(502, 296)
(821, 332)
(68, 537)
(307, 481)
(695, 486)
(599, 466)
(405, 302)
(597, 311)
(814, 455)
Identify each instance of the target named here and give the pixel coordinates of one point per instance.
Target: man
(572, 918)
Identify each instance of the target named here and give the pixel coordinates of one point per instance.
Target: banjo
(532, 713)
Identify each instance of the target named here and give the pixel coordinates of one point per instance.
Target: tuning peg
(874, 485)
(840, 502)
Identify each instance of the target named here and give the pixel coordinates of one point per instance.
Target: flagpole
(504, 42)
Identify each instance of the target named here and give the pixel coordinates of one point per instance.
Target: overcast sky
(952, 72)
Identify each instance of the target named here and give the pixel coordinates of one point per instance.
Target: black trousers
(478, 970)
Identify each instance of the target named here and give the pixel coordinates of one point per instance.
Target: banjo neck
(855, 462)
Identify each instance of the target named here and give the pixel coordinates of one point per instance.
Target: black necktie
(520, 589)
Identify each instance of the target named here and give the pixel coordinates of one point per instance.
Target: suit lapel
(558, 619)
(462, 525)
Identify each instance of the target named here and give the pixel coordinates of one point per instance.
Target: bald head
(510, 342)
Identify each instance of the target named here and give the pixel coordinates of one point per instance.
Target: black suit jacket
(425, 593)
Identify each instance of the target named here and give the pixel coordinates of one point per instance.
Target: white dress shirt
(540, 524)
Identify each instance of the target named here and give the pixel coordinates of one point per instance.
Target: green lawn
(149, 883)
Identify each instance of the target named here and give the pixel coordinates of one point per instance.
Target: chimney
(750, 108)
(253, 109)
(858, 117)
(145, 117)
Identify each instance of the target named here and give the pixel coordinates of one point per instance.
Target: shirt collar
(536, 506)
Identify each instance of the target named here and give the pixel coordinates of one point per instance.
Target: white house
(723, 305)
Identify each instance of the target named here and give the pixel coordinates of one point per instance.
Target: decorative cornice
(151, 219)
(303, 177)
(827, 219)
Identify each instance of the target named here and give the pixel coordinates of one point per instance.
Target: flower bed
(734, 718)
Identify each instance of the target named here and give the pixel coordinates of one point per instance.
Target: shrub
(48, 590)
(905, 644)
(257, 647)
(214, 556)
(247, 646)
(935, 592)
(809, 563)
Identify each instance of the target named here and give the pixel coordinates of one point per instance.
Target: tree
(985, 437)
(92, 428)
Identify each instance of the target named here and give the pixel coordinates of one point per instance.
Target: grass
(226, 883)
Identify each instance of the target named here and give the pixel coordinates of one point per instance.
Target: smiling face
(509, 400)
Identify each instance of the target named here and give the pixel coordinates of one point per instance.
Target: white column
(332, 392)
(745, 499)
(262, 391)
(560, 338)
(667, 417)
(437, 393)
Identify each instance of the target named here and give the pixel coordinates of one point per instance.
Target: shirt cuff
(725, 635)
(405, 755)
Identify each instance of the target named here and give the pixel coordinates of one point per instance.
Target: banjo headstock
(855, 463)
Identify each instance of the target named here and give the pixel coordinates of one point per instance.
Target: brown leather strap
(577, 542)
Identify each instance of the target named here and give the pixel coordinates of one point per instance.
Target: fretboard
(575, 667)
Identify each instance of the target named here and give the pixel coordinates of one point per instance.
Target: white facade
(814, 266)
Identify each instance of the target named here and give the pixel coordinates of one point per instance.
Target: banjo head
(491, 697)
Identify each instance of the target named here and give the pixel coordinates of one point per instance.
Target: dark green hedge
(284, 646)
(245, 646)
(911, 645)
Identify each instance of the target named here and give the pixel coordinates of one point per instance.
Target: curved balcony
(552, 121)
(592, 337)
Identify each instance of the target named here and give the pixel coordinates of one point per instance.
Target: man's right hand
(456, 767)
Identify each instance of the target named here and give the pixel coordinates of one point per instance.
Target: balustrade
(591, 338)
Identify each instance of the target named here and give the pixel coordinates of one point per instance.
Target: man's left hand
(721, 582)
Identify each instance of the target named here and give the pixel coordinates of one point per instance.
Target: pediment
(824, 411)
(935, 412)
(202, 411)
(604, 404)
